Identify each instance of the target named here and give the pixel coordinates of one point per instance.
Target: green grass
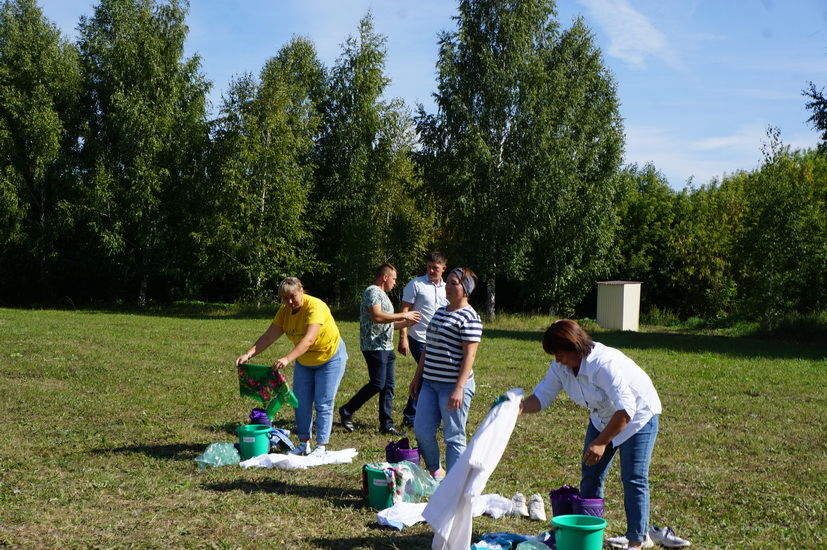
(102, 414)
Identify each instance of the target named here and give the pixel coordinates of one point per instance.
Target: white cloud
(632, 37)
(704, 159)
(746, 139)
(681, 159)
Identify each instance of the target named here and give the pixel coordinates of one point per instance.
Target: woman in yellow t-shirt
(320, 357)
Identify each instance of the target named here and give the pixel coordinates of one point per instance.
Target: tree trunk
(142, 290)
(490, 298)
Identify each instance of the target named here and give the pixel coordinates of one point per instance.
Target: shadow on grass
(178, 451)
(738, 346)
(340, 498)
(391, 540)
(206, 312)
(522, 335)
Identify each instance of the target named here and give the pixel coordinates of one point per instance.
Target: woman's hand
(455, 401)
(594, 452)
(530, 405)
(413, 388)
(281, 363)
(242, 359)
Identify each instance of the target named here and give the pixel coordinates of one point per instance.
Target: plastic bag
(513, 541)
(218, 454)
(422, 485)
(532, 545)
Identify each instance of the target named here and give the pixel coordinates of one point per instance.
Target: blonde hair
(289, 285)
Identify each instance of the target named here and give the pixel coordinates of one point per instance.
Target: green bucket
(254, 440)
(378, 488)
(574, 532)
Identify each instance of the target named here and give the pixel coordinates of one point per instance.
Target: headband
(467, 282)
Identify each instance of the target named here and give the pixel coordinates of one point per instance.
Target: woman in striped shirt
(444, 381)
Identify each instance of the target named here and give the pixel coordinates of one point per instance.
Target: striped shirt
(443, 342)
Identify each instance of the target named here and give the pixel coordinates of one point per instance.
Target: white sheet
(299, 462)
(450, 510)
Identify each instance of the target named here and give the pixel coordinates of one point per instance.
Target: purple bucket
(397, 451)
(588, 507)
(259, 416)
(562, 500)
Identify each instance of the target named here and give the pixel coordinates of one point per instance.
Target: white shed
(618, 304)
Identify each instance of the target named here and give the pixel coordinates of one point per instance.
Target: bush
(661, 317)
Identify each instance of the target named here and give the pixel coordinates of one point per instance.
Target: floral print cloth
(262, 383)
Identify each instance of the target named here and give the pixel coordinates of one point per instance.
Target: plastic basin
(576, 532)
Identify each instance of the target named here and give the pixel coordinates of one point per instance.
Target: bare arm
(469, 353)
(416, 381)
(380, 317)
(269, 336)
(403, 346)
(310, 335)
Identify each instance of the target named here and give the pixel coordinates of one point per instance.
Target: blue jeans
(316, 387)
(635, 456)
(409, 414)
(381, 380)
(431, 410)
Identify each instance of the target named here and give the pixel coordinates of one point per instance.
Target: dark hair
(384, 269)
(567, 335)
(437, 257)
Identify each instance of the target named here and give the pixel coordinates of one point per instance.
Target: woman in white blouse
(624, 410)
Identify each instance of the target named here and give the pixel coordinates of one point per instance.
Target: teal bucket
(378, 488)
(574, 532)
(254, 440)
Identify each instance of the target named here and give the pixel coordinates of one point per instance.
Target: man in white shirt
(424, 294)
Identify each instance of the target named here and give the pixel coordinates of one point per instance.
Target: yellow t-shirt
(294, 325)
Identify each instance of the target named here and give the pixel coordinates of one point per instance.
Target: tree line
(116, 184)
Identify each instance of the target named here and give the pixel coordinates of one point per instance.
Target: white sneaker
(665, 536)
(302, 449)
(318, 452)
(518, 507)
(536, 508)
(623, 542)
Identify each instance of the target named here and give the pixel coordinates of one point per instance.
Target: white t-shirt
(426, 298)
(607, 382)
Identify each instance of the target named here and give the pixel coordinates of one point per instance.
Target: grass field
(102, 414)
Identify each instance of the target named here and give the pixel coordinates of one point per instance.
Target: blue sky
(699, 80)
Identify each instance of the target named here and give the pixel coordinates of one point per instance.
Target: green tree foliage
(752, 244)
(645, 234)
(259, 229)
(818, 105)
(524, 148)
(365, 200)
(678, 244)
(782, 243)
(39, 86)
(700, 249)
(577, 156)
(145, 111)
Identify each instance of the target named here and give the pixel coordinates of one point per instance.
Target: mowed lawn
(103, 413)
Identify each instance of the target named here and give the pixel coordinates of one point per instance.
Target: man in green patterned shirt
(377, 321)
